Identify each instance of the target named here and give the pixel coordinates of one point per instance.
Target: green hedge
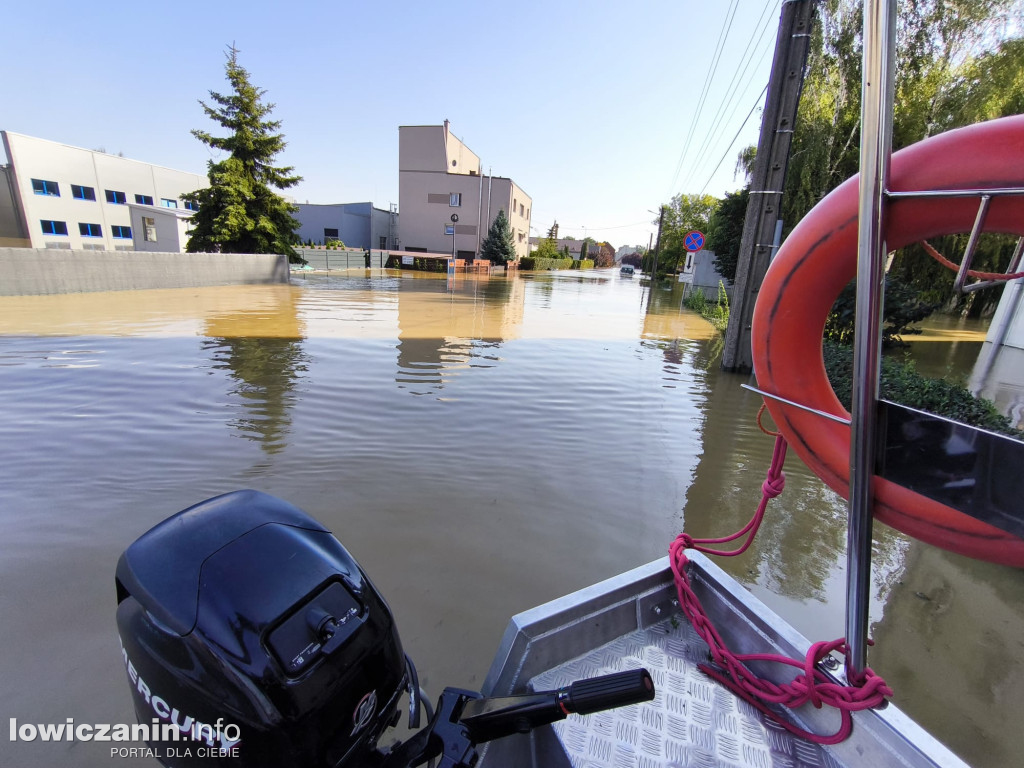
(532, 262)
(582, 264)
(902, 384)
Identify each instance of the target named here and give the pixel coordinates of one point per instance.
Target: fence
(342, 258)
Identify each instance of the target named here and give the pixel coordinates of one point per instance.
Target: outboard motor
(252, 639)
(250, 633)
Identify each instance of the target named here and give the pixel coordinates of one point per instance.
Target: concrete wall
(34, 271)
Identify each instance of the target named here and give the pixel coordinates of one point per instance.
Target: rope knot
(773, 486)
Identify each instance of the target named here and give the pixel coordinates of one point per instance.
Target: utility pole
(756, 245)
(657, 245)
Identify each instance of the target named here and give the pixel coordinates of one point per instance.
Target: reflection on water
(265, 372)
(559, 434)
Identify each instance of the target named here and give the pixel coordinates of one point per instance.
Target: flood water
(480, 448)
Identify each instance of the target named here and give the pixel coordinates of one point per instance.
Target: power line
(729, 148)
(722, 35)
(730, 97)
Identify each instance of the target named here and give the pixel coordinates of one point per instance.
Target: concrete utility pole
(766, 187)
(657, 245)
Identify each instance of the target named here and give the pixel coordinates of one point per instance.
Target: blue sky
(592, 108)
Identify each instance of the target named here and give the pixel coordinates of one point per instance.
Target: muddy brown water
(480, 448)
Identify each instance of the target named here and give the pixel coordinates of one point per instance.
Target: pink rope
(729, 668)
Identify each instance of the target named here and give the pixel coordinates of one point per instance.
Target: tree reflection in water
(265, 371)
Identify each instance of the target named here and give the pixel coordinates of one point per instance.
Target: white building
(438, 177)
(57, 196)
(160, 230)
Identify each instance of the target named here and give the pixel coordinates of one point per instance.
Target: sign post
(451, 261)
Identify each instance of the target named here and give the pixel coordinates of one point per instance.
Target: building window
(168, 203)
(117, 198)
(149, 229)
(83, 193)
(90, 230)
(190, 206)
(144, 199)
(123, 233)
(455, 199)
(522, 210)
(383, 243)
(514, 203)
(41, 187)
(54, 227)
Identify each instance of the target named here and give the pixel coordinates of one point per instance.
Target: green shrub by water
(901, 383)
(532, 262)
(716, 313)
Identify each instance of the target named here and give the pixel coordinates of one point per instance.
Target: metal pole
(875, 149)
(769, 178)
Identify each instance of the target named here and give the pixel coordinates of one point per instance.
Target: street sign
(694, 240)
(449, 229)
(455, 218)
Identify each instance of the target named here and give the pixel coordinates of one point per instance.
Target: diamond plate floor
(692, 722)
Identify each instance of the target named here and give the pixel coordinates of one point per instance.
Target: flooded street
(479, 449)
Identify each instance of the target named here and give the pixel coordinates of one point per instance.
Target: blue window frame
(124, 233)
(90, 230)
(118, 198)
(54, 227)
(168, 203)
(83, 193)
(190, 206)
(144, 199)
(42, 187)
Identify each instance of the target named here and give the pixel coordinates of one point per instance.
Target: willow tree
(957, 63)
(240, 212)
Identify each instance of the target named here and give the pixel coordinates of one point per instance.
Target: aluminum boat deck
(631, 621)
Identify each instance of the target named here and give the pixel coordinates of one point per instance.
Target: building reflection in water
(260, 349)
(448, 327)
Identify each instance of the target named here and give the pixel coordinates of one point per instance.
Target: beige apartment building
(438, 177)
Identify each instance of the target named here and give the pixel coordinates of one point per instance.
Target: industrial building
(357, 225)
(54, 195)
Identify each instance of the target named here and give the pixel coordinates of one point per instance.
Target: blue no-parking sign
(694, 240)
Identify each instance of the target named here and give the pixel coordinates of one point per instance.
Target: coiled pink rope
(729, 668)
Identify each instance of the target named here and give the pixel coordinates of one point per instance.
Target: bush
(539, 264)
(582, 264)
(903, 307)
(901, 383)
(718, 313)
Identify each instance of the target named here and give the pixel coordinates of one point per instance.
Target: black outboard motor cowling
(246, 627)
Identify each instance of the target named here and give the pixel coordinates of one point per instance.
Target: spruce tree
(499, 246)
(240, 212)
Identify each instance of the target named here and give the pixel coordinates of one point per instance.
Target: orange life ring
(820, 257)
